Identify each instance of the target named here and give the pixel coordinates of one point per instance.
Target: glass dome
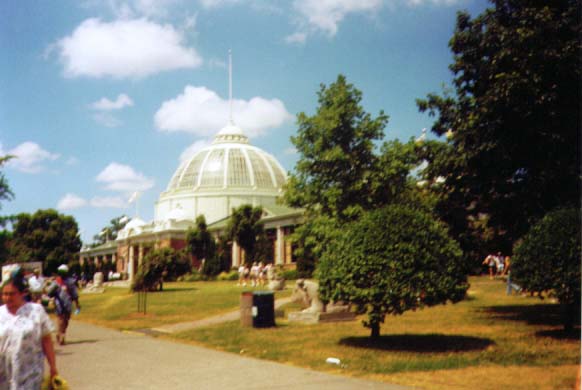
(230, 162)
(223, 176)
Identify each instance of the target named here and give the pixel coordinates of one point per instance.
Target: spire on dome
(231, 132)
(230, 121)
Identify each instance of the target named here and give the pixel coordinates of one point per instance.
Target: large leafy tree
(245, 227)
(547, 260)
(336, 145)
(200, 242)
(513, 115)
(392, 260)
(46, 236)
(334, 177)
(5, 194)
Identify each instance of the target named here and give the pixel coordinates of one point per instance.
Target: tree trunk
(375, 330)
(569, 313)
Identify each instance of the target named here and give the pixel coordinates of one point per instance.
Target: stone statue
(275, 281)
(306, 291)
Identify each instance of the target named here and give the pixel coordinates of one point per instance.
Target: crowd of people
(496, 264)
(256, 275)
(25, 328)
(500, 265)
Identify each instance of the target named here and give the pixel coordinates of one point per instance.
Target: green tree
(5, 194)
(513, 115)
(5, 191)
(334, 177)
(245, 227)
(201, 244)
(224, 252)
(336, 145)
(109, 232)
(159, 265)
(5, 243)
(392, 260)
(45, 236)
(548, 260)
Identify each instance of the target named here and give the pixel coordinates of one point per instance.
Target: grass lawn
(179, 302)
(488, 341)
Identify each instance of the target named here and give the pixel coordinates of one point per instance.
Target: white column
(280, 245)
(235, 255)
(130, 270)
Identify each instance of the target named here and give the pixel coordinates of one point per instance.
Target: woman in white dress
(25, 338)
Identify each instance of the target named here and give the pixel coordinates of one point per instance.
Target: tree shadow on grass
(539, 314)
(561, 334)
(420, 343)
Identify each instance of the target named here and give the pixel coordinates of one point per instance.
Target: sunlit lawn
(488, 341)
(179, 302)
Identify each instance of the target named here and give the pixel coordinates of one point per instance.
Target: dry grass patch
(449, 346)
(489, 378)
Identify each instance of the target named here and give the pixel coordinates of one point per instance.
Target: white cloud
(105, 104)
(290, 151)
(298, 37)
(201, 111)
(217, 3)
(133, 8)
(106, 119)
(72, 161)
(71, 202)
(193, 149)
(152, 8)
(326, 15)
(123, 178)
(29, 157)
(114, 202)
(124, 49)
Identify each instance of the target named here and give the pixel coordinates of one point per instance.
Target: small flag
(135, 196)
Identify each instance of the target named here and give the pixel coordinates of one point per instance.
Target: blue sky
(99, 99)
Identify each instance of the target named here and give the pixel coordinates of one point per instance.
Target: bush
(392, 260)
(547, 259)
(290, 274)
(193, 276)
(231, 276)
(159, 265)
(212, 267)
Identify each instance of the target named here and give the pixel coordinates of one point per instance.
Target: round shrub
(547, 259)
(392, 260)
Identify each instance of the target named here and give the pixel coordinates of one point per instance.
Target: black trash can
(263, 309)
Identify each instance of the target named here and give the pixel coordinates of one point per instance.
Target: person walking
(64, 292)
(36, 285)
(25, 338)
(491, 262)
(510, 285)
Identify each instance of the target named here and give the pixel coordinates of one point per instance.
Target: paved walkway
(218, 319)
(97, 358)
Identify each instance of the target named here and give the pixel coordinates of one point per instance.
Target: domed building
(225, 175)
